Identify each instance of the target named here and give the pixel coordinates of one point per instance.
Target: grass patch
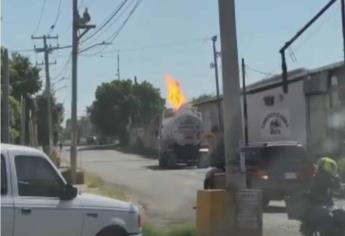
(178, 230)
(96, 185)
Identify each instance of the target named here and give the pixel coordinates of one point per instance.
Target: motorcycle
(316, 220)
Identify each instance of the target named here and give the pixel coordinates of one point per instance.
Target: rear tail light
(262, 174)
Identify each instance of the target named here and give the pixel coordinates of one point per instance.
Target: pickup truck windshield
(36, 177)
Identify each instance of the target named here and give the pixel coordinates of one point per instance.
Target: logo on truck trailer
(276, 124)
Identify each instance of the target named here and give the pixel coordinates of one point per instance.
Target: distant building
(312, 112)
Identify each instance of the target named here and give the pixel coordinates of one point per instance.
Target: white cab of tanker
(180, 139)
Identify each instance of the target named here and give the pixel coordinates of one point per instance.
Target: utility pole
(215, 65)
(22, 120)
(244, 205)
(118, 65)
(342, 5)
(231, 93)
(46, 50)
(245, 111)
(78, 23)
(5, 127)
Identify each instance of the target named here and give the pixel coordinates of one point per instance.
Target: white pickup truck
(37, 201)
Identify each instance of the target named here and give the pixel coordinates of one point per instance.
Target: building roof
(275, 80)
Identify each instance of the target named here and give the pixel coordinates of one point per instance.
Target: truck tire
(171, 161)
(112, 231)
(162, 162)
(203, 161)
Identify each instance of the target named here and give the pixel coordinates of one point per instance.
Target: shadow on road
(98, 147)
(275, 209)
(179, 167)
(145, 153)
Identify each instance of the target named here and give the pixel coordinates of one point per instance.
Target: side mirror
(68, 192)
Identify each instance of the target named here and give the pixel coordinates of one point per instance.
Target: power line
(114, 20)
(117, 32)
(153, 46)
(63, 69)
(257, 71)
(106, 21)
(40, 18)
(58, 13)
(164, 45)
(314, 32)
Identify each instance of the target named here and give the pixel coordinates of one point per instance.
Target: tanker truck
(180, 139)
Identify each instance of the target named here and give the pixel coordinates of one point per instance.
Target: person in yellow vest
(326, 181)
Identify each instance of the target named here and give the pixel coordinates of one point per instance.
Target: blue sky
(170, 36)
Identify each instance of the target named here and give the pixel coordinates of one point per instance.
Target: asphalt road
(168, 196)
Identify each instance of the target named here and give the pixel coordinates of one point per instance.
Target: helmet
(328, 165)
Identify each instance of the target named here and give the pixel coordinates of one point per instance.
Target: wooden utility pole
(78, 23)
(46, 50)
(215, 65)
(5, 127)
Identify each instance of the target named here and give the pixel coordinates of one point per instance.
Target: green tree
(57, 119)
(24, 77)
(118, 103)
(203, 98)
(24, 82)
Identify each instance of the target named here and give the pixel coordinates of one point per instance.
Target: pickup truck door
(7, 207)
(38, 209)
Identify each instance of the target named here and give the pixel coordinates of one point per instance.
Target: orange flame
(176, 96)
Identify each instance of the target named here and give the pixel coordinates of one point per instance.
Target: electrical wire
(153, 46)
(61, 72)
(118, 31)
(40, 17)
(106, 21)
(258, 71)
(317, 29)
(58, 13)
(115, 19)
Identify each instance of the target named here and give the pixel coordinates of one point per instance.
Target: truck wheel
(203, 161)
(162, 162)
(171, 161)
(112, 231)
